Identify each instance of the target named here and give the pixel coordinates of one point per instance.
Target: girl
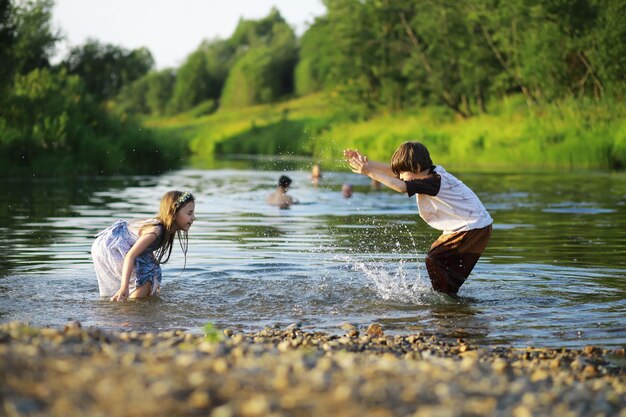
(127, 256)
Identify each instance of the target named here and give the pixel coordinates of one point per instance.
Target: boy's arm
(382, 168)
(361, 165)
(374, 166)
(391, 182)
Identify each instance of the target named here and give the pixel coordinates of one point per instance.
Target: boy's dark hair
(284, 181)
(411, 157)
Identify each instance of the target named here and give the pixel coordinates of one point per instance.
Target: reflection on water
(553, 275)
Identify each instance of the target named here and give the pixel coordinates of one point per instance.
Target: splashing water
(399, 285)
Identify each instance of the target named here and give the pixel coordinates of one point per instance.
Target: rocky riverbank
(89, 372)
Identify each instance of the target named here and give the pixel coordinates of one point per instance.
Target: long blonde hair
(171, 203)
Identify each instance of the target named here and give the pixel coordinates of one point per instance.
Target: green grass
(266, 130)
(211, 333)
(569, 134)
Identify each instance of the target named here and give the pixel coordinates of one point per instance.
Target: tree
(265, 58)
(107, 68)
(251, 33)
(160, 86)
(36, 37)
(449, 58)
(27, 37)
(372, 48)
(607, 51)
(219, 60)
(318, 58)
(193, 83)
(8, 37)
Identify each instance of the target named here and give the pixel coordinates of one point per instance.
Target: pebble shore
(78, 371)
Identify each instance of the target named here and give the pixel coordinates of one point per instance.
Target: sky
(170, 29)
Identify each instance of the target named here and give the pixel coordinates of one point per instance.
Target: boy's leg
(452, 257)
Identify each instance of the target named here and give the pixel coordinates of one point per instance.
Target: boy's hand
(121, 294)
(349, 154)
(359, 164)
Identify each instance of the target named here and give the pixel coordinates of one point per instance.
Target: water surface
(554, 273)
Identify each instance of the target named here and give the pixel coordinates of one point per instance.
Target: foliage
(106, 69)
(149, 94)
(52, 119)
(608, 49)
(50, 125)
(202, 75)
(266, 58)
(377, 56)
(193, 84)
(317, 58)
(35, 36)
(27, 37)
(396, 55)
(219, 57)
(7, 40)
(372, 46)
(284, 137)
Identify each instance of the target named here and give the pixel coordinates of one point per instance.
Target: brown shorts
(453, 256)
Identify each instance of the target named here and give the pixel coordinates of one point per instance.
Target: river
(553, 275)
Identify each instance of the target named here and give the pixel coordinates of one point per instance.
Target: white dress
(108, 252)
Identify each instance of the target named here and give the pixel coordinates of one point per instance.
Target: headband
(183, 199)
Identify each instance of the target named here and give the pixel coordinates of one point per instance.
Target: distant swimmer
(279, 197)
(316, 173)
(346, 190)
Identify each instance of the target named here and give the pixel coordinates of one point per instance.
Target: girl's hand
(121, 294)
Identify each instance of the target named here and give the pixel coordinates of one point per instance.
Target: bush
(50, 125)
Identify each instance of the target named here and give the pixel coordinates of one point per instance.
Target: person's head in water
(284, 181)
(280, 197)
(346, 190)
(316, 172)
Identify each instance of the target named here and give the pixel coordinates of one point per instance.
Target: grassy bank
(288, 128)
(569, 134)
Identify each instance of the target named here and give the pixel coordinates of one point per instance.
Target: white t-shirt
(446, 204)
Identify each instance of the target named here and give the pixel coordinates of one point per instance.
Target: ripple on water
(553, 275)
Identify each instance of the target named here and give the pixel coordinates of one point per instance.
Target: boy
(279, 197)
(444, 202)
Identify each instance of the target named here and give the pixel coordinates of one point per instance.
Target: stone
(225, 410)
(375, 330)
(592, 350)
(199, 399)
(72, 325)
(257, 405)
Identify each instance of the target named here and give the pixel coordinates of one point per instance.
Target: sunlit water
(554, 273)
